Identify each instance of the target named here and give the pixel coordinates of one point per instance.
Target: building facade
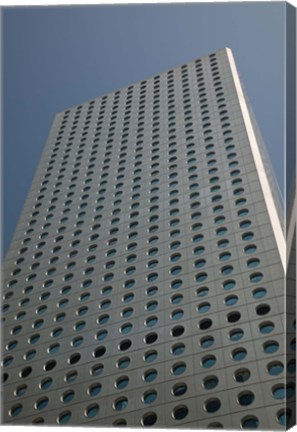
(144, 285)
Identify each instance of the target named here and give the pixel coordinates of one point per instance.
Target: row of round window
(200, 277)
(224, 256)
(133, 235)
(203, 291)
(180, 412)
(283, 417)
(208, 361)
(241, 375)
(238, 354)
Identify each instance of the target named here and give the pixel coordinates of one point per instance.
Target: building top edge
(145, 79)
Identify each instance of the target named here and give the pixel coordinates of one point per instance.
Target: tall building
(145, 282)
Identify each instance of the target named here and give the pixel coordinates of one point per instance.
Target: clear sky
(56, 57)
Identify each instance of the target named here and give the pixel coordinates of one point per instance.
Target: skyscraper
(144, 285)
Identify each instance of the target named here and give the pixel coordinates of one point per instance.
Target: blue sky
(56, 57)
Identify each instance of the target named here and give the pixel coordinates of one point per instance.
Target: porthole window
(259, 293)
(210, 382)
(275, 368)
(75, 358)
(123, 363)
(175, 270)
(20, 390)
(28, 356)
(197, 226)
(203, 307)
(212, 405)
(205, 324)
(7, 361)
(176, 299)
(27, 370)
(174, 233)
(103, 319)
(149, 396)
(179, 389)
(122, 382)
(175, 245)
(201, 277)
(128, 298)
(247, 236)
(151, 338)
(125, 345)
(199, 250)
(41, 403)
(245, 224)
(270, 347)
(266, 327)
(238, 191)
(263, 309)
(242, 212)
(242, 375)
(127, 312)
(54, 348)
(219, 219)
(225, 256)
(246, 398)
(151, 291)
(151, 321)
(15, 410)
(223, 243)
(231, 300)
(152, 263)
(233, 317)
(108, 265)
(16, 330)
(149, 419)
(152, 277)
(250, 249)
(178, 368)
(150, 375)
(175, 257)
(153, 251)
(180, 412)
(250, 422)
(221, 231)
(126, 328)
(208, 361)
(70, 377)
(150, 356)
(206, 342)
(253, 263)
(239, 354)
(283, 392)
(67, 396)
(236, 334)
(151, 305)
(91, 411)
(94, 389)
(178, 349)
(177, 331)
(177, 314)
(200, 263)
(198, 238)
(202, 292)
(226, 270)
(176, 284)
(284, 417)
(131, 258)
